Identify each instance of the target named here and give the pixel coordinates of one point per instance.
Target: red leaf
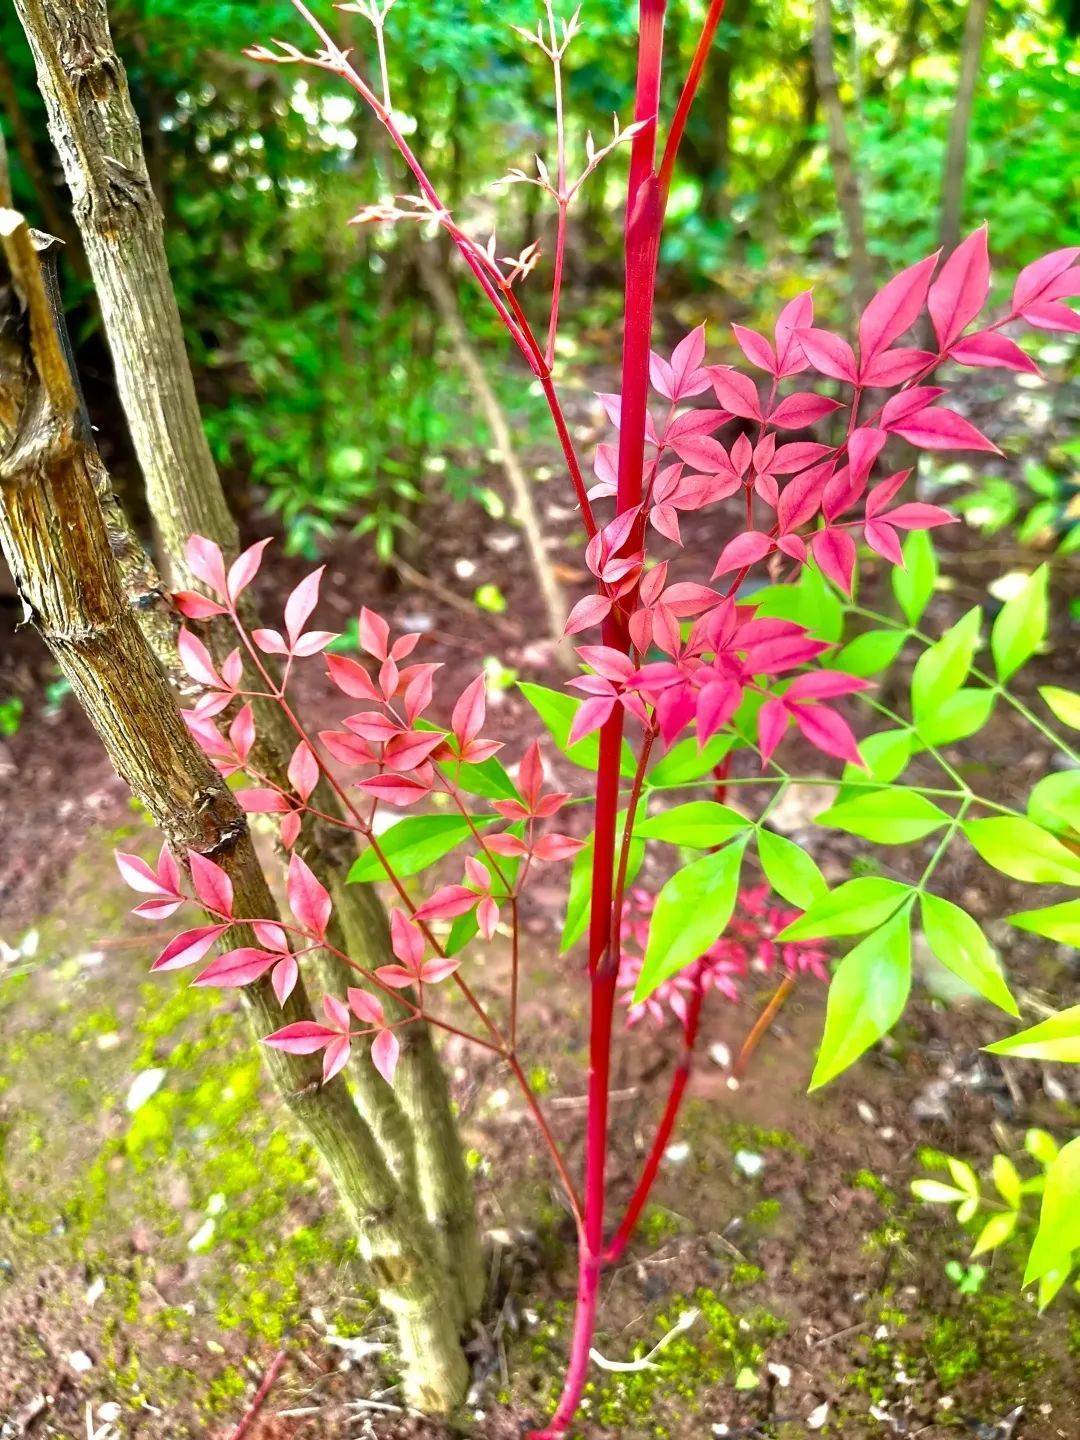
(196, 607)
(346, 748)
(864, 446)
(303, 770)
(894, 309)
(302, 1038)
(374, 634)
(960, 291)
(745, 549)
(772, 722)
(908, 402)
(797, 314)
(188, 947)
(940, 429)
(991, 350)
(801, 410)
(308, 898)
(236, 968)
(212, 886)
(557, 847)
(703, 453)
(448, 902)
(1049, 316)
(735, 392)
(335, 1058)
(918, 516)
(409, 750)
(367, 1009)
(829, 354)
(798, 456)
(884, 539)
(139, 876)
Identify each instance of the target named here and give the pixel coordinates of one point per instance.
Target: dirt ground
(163, 1237)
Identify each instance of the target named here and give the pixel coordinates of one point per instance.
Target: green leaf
(914, 583)
(1024, 851)
(699, 824)
(1055, 1039)
(579, 895)
(557, 711)
(961, 715)
(1055, 801)
(850, 909)
(684, 761)
(1041, 1146)
(1007, 1181)
(1065, 704)
(964, 1176)
(1056, 922)
(886, 817)
(412, 845)
(867, 996)
(489, 779)
(942, 669)
(870, 653)
(812, 597)
(936, 1192)
(790, 870)
(692, 911)
(886, 755)
(1020, 628)
(960, 945)
(994, 1233)
(1059, 1219)
(1051, 1283)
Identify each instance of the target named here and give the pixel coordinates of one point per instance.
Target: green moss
(867, 1180)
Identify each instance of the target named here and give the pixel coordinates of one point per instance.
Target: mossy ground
(181, 1243)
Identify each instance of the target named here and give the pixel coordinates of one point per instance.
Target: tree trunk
(55, 541)
(97, 135)
(844, 177)
(952, 180)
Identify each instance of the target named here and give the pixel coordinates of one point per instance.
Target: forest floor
(163, 1236)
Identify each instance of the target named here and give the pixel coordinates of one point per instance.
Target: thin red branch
(686, 98)
(252, 1412)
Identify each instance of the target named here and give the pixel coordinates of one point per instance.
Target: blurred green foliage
(329, 397)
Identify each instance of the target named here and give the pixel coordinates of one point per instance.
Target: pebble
(80, 1362)
(146, 1084)
(817, 1417)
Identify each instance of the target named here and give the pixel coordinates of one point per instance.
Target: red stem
(667, 1124)
(686, 98)
(251, 1413)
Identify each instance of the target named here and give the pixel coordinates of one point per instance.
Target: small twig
(249, 1417)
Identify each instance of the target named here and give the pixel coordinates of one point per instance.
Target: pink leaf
(745, 549)
(756, 348)
(960, 291)
(262, 801)
(303, 770)
(894, 309)
(829, 354)
(409, 750)
(301, 603)
(139, 876)
(347, 749)
(244, 569)
(735, 392)
(242, 732)
(587, 613)
(270, 935)
(400, 790)
(196, 660)
(212, 886)
(205, 562)
(828, 732)
(447, 903)
(801, 410)
(940, 429)
(825, 685)
(834, 551)
(336, 1013)
(159, 908)
(798, 456)
(405, 939)
(284, 977)
(313, 642)
(772, 722)
(908, 402)
(557, 847)
(270, 642)
(1045, 315)
(365, 1006)
(469, 712)
(884, 539)
(594, 713)
(302, 1038)
(385, 1049)
(703, 453)
(894, 367)
(374, 634)
(188, 947)
(991, 350)
(864, 446)
(335, 1057)
(236, 968)
(351, 678)
(308, 898)
(1036, 279)
(918, 516)
(797, 314)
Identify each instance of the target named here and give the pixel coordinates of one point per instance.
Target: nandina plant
(691, 679)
